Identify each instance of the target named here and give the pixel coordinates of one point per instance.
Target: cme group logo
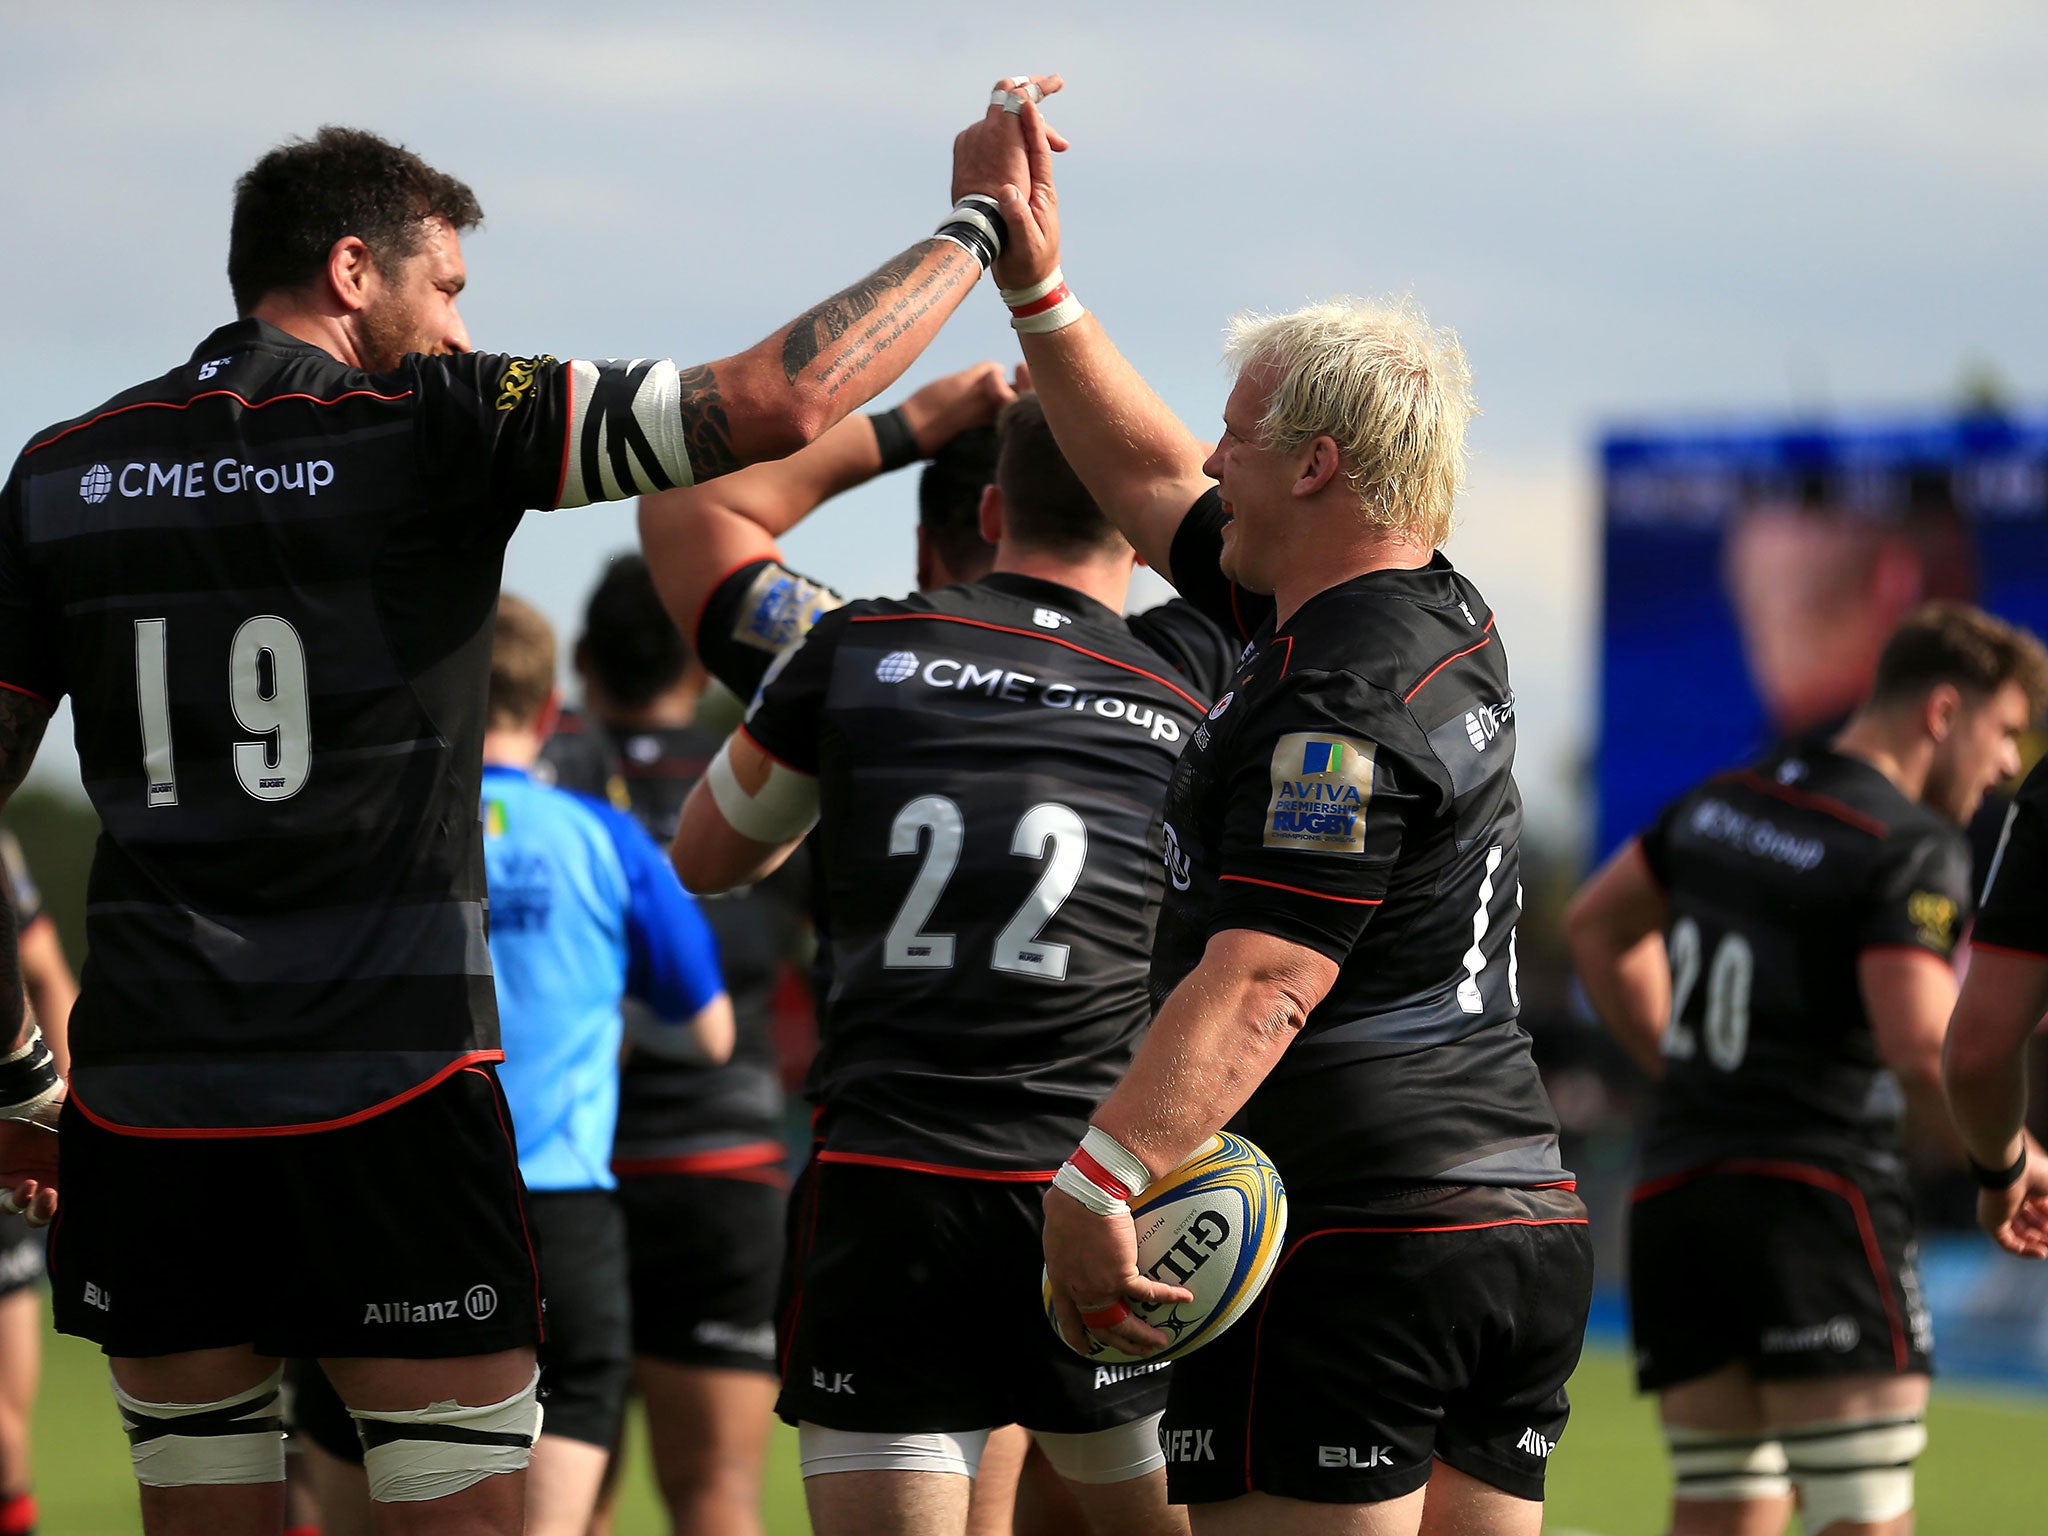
(896, 666)
(96, 484)
(480, 1302)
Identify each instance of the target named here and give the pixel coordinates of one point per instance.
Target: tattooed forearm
(892, 323)
(22, 719)
(707, 432)
(817, 328)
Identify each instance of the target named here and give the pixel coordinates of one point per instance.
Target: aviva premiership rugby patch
(780, 608)
(1320, 788)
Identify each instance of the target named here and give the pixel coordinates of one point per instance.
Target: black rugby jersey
(1353, 792)
(1780, 876)
(679, 1115)
(991, 759)
(267, 580)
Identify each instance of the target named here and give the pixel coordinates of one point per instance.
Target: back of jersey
(992, 760)
(1780, 878)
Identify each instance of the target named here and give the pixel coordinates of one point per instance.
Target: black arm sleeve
(2015, 912)
(1192, 642)
(753, 616)
(28, 626)
(1919, 894)
(1197, 555)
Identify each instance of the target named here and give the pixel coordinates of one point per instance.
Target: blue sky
(1626, 211)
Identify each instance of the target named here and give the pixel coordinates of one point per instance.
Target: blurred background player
(989, 758)
(585, 911)
(46, 976)
(1775, 950)
(699, 1152)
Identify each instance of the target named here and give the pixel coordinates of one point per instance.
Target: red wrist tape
(1052, 300)
(1098, 1175)
(1105, 1317)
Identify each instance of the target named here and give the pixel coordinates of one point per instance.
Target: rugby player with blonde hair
(1334, 968)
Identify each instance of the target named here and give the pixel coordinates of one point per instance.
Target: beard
(389, 331)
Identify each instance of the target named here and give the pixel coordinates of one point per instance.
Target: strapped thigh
(1719, 1466)
(1856, 1471)
(235, 1441)
(416, 1454)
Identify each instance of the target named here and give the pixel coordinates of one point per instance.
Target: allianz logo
(1008, 686)
(198, 478)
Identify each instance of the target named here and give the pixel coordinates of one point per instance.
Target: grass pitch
(1607, 1478)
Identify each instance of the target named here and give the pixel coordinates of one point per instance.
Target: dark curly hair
(630, 644)
(294, 203)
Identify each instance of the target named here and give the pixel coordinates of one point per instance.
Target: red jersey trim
(211, 394)
(210, 1133)
(1409, 696)
(1275, 885)
(29, 693)
(1817, 1178)
(1827, 805)
(540, 1308)
(993, 1175)
(568, 429)
(754, 1154)
(1005, 629)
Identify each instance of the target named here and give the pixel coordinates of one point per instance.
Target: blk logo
(839, 1382)
(1352, 1456)
(96, 1296)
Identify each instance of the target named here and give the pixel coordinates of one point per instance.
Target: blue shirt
(584, 909)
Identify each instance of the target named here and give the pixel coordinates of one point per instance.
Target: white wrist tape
(1047, 305)
(1118, 1160)
(29, 1084)
(784, 808)
(1072, 1181)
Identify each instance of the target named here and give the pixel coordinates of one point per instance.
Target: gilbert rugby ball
(1214, 1225)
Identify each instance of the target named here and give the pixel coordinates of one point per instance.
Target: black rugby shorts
(403, 1236)
(879, 1257)
(1383, 1342)
(587, 1358)
(1794, 1269)
(705, 1252)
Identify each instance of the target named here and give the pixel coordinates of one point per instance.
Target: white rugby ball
(1214, 1225)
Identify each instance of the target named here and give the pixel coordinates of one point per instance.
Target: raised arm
(794, 386)
(697, 535)
(1139, 462)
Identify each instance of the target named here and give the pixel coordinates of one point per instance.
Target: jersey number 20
(1728, 983)
(1018, 947)
(271, 769)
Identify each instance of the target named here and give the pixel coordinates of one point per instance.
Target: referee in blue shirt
(584, 909)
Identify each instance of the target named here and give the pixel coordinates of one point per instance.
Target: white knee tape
(237, 1440)
(416, 1454)
(821, 1450)
(1113, 1455)
(1857, 1472)
(1714, 1466)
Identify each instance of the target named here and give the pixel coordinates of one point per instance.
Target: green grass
(1607, 1477)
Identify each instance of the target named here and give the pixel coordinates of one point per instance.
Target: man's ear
(991, 515)
(1325, 463)
(1942, 712)
(351, 273)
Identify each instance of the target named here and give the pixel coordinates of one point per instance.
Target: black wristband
(988, 208)
(895, 439)
(1998, 1178)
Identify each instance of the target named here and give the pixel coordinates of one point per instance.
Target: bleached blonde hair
(1393, 390)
